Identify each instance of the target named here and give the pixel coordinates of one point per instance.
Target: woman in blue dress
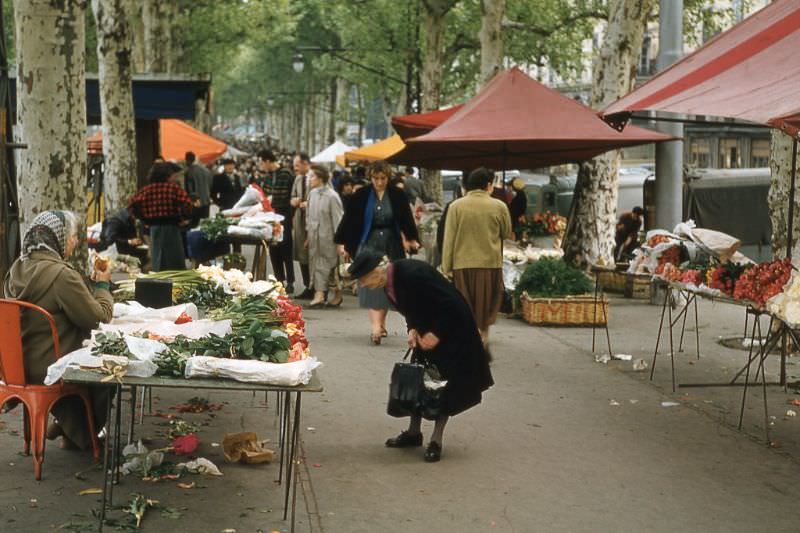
(378, 218)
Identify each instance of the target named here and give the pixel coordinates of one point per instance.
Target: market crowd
(359, 223)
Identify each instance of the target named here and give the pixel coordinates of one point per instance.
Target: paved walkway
(561, 443)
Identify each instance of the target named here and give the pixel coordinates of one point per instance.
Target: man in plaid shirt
(279, 188)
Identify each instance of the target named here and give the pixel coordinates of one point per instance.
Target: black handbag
(408, 394)
(407, 389)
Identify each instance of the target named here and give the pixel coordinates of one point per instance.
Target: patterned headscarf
(48, 231)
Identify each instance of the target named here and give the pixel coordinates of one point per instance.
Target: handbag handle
(408, 352)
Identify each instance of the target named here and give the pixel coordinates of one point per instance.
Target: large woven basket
(637, 286)
(612, 281)
(580, 310)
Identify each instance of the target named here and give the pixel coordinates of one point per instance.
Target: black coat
(352, 225)
(430, 303)
(226, 190)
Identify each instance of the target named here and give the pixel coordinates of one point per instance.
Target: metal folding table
(288, 433)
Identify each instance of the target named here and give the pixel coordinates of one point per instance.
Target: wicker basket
(612, 281)
(568, 311)
(637, 287)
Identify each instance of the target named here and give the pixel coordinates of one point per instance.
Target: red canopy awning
(417, 124)
(750, 72)
(516, 122)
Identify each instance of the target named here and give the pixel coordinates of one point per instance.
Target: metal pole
(792, 191)
(669, 155)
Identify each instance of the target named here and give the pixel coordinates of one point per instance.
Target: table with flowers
(226, 332)
(688, 267)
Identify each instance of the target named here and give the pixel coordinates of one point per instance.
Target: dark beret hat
(364, 263)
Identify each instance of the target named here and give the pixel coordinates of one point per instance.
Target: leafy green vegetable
(549, 277)
(215, 228)
(111, 343)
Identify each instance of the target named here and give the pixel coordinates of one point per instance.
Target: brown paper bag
(246, 448)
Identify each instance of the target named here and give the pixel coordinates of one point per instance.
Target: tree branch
(547, 32)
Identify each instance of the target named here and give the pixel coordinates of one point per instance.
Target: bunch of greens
(256, 341)
(171, 362)
(550, 277)
(215, 228)
(243, 310)
(111, 343)
(205, 295)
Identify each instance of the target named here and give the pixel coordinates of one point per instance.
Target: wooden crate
(567, 311)
(637, 287)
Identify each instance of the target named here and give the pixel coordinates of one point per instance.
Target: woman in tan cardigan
(43, 277)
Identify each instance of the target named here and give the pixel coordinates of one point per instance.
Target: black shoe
(290, 289)
(405, 440)
(433, 453)
(305, 295)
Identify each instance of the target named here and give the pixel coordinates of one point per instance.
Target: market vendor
(44, 278)
(163, 205)
(442, 332)
(120, 229)
(626, 237)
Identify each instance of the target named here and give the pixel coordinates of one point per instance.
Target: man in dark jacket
(197, 182)
(278, 185)
(626, 237)
(226, 189)
(120, 229)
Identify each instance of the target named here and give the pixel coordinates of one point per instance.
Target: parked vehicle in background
(733, 201)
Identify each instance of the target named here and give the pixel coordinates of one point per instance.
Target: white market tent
(328, 155)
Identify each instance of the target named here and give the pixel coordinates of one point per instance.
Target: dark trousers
(280, 256)
(305, 273)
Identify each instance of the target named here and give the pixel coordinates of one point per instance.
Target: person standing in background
(323, 216)
(278, 186)
(162, 205)
(413, 186)
(472, 251)
(518, 205)
(197, 182)
(226, 189)
(302, 179)
(378, 220)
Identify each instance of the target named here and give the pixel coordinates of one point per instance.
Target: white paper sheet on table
(133, 311)
(250, 371)
(166, 328)
(84, 357)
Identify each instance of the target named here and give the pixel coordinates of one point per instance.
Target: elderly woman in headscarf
(442, 332)
(43, 277)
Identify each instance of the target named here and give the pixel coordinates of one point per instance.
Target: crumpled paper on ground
(139, 458)
(246, 448)
(251, 371)
(84, 357)
(201, 465)
(167, 328)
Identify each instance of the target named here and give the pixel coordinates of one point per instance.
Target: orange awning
(177, 138)
(380, 151)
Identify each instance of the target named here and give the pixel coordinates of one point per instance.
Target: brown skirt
(483, 290)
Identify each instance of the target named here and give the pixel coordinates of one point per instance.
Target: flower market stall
(691, 263)
(251, 221)
(225, 332)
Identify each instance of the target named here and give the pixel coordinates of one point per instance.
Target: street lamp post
(298, 64)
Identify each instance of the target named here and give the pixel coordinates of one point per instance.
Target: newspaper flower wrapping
(250, 371)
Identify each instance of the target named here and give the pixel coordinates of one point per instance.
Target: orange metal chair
(36, 399)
